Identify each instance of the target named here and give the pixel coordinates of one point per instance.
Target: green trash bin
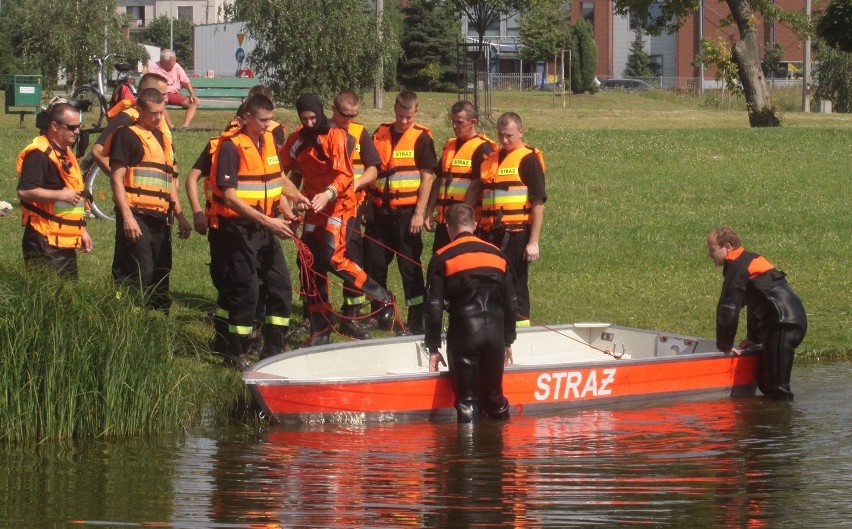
(23, 90)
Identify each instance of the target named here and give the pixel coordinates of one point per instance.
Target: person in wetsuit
(475, 279)
(776, 317)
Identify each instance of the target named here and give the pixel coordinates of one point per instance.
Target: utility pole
(379, 91)
(172, 25)
(806, 78)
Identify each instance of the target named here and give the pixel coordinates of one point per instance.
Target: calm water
(731, 463)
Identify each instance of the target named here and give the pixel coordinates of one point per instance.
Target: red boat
(581, 365)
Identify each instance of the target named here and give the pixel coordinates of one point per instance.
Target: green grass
(635, 181)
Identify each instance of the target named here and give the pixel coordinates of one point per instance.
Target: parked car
(629, 85)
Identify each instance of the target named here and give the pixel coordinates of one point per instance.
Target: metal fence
(537, 81)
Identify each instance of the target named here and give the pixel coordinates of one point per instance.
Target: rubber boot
(386, 314)
(238, 351)
(467, 398)
(274, 340)
(414, 323)
(350, 325)
(320, 330)
(220, 335)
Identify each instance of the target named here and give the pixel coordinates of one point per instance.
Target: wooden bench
(221, 89)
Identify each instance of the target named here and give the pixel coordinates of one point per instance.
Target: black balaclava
(309, 135)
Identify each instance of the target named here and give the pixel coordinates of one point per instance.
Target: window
(588, 12)
(655, 62)
(184, 13)
(136, 15)
(655, 11)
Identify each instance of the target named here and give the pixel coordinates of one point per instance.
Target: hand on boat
(507, 357)
(434, 358)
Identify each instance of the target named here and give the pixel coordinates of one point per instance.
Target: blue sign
(240, 55)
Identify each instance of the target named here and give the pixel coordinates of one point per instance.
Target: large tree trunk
(746, 54)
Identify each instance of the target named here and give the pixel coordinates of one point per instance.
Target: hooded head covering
(309, 135)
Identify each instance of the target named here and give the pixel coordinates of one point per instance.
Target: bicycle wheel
(97, 112)
(98, 192)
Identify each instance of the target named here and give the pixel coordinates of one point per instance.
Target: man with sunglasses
(365, 164)
(50, 188)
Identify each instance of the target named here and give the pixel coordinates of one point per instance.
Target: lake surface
(735, 463)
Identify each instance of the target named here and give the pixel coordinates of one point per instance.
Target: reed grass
(635, 181)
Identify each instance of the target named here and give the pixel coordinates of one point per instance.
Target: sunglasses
(72, 128)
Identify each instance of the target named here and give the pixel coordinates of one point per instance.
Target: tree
(745, 51)
(545, 29)
(159, 33)
(772, 55)
(584, 59)
(835, 26)
(429, 40)
(39, 37)
(318, 46)
(481, 14)
(834, 77)
(638, 64)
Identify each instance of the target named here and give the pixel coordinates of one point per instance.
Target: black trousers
(442, 237)
(38, 252)
(776, 363)
(513, 244)
(476, 350)
(391, 229)
(145, 265)
(251, 256)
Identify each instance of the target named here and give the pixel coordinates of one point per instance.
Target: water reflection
(729, 463)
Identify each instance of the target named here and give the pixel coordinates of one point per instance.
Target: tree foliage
(638, 63)
(773, 53)
(834, 77)
(544, 29)
(39, 38)
(429, 38)
(159, 32)
(318, 46)
(584, 59)
(835, 26)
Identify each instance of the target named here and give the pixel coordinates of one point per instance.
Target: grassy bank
(635, 181)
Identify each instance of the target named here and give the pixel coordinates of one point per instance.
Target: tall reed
(85, 358)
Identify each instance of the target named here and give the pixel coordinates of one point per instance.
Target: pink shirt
(177, 77)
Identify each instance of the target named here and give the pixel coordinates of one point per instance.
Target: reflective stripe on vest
(357, 131)
(149, 184)
(259, 178)
(505, 202)
(60, 222)
(457, 171)
(398, 182)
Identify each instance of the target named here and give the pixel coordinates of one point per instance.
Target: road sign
(240, 55)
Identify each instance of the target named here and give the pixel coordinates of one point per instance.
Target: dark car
(628, 85)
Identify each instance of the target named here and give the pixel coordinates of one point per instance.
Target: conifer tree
(638, 64)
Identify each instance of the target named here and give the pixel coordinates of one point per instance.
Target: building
(142, 12)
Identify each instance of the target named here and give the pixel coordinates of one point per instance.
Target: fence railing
(536, 81)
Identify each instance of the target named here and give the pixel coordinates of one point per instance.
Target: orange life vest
(457, 171)
(259, 178)
(61, 222)
(505, 202)
(133, 112)
(123, 106)
(398, 182)
(149, 184)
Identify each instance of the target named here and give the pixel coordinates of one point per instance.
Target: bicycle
(91, 96)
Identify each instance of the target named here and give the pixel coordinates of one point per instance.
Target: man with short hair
(399, 197)
(319, 156)
(365, 163)
(174, 73)
(512, 191)
(474, 280)
(50, 188)
(777, 321)
(249, 193)
(145, 195)
(461, 162)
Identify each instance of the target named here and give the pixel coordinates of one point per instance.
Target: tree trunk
(746, 54)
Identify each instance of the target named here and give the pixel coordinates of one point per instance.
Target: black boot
(220, 335)
(274, 340)
(238, 351)
(350, 325)
(320, 329)
(385, 315)
(414, 324)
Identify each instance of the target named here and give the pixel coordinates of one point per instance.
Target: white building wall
(622, 38)
(203, 11)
